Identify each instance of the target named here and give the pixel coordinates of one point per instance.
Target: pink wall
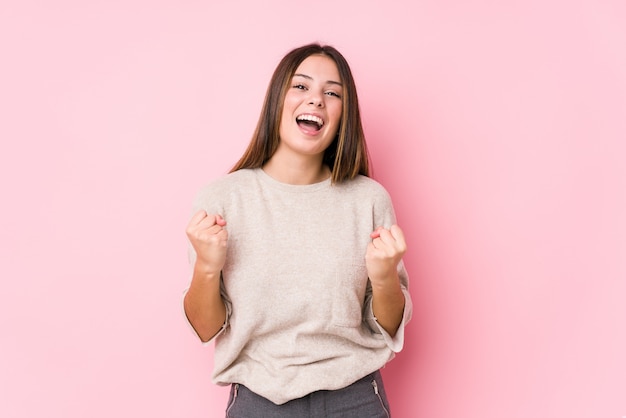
(498, 128)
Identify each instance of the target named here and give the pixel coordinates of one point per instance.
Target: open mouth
(310, 122)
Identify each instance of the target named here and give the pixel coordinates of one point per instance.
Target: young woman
(297, 270)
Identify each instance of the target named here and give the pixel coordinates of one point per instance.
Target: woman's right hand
(209, 239)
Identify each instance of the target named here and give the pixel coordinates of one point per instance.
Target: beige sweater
(299, 316)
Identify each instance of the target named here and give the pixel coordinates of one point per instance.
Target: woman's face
(312, 107)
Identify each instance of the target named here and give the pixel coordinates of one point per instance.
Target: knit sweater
(298, 300)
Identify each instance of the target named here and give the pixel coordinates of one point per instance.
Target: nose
(316, 99)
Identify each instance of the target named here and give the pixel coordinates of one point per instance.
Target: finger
(378, 243)
(398, 235)
(376, 232)
(387, 238)
(197, 217)
(211, 220)
(220, 220)
(206, 223)
(393, 236)
(372, 251)
(213, 229)
(391, 244)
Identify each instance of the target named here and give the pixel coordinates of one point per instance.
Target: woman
(297, 271)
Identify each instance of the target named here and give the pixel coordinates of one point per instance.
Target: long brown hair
(347, 155)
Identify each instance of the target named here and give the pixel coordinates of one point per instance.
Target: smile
(308, 122)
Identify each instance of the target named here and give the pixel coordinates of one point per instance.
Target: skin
(315, 89)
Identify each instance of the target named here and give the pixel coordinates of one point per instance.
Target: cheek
(336, 123)
(291, 100)
(337, 114)
(287, 112)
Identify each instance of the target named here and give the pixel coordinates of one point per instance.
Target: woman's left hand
(384, 253)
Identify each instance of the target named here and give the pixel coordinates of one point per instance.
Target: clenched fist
(384, 253)
(209, 239)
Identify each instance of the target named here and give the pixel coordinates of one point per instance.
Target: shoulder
(366, 192)
(227, 181)
(366, 186)
(221, 187)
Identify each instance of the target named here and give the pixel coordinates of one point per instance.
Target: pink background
(499, 128)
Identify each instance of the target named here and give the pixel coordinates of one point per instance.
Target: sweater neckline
(297, 188)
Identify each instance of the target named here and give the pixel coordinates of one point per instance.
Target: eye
(299, 86)
(333, 94)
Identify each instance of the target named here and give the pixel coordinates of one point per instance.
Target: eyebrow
(308, 77)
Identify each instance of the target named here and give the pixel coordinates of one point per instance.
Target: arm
(203, 303)
(382, 258)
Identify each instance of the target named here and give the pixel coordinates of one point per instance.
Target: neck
(297, 171)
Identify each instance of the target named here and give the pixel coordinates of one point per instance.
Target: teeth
(311, 118)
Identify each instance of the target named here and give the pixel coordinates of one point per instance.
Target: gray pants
(365, 398)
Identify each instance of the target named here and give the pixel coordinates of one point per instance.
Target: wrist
(386, 283)
(206, 271)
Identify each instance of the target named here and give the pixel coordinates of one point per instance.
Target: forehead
(320, 68)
